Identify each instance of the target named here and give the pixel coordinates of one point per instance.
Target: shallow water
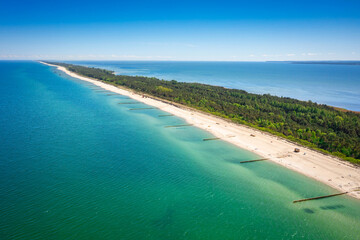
(335, 85)
(75, 164)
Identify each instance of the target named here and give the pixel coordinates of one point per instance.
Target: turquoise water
(75, 164)
(335, 85)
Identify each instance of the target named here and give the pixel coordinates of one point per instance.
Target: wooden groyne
(166, 115)
(210, 139)
(256, 160)
(122, 97)
(133, 109)
(326, 196)
(129, 102)
(315, 198)
(182, 125)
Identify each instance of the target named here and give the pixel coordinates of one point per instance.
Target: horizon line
(168, 60)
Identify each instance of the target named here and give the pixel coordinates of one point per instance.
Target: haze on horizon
(186, 30)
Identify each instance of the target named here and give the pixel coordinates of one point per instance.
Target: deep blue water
(75, 164)
(335, 85)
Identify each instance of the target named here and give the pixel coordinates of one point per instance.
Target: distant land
(331, 62)
(328, 62)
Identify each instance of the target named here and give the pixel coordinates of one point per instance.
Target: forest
(317, 126)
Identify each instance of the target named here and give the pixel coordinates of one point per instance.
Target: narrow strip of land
(324, 168)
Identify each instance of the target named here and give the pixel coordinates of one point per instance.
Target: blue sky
(180, 30)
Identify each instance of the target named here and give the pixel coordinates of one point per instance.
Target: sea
(331, 84)
(76, 164)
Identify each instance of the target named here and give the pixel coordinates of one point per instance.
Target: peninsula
(288, 124)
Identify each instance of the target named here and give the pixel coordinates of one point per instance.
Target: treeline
(317, 126)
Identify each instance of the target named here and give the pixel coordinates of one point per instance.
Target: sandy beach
(332, 171)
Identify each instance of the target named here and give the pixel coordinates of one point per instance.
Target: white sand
(334, 172)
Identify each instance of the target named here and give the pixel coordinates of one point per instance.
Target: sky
(255, 30)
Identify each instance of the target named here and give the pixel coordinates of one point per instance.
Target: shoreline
(327, 169)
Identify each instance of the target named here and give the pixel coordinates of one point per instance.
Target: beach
(334, 172)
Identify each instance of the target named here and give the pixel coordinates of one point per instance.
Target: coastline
(333, 172)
